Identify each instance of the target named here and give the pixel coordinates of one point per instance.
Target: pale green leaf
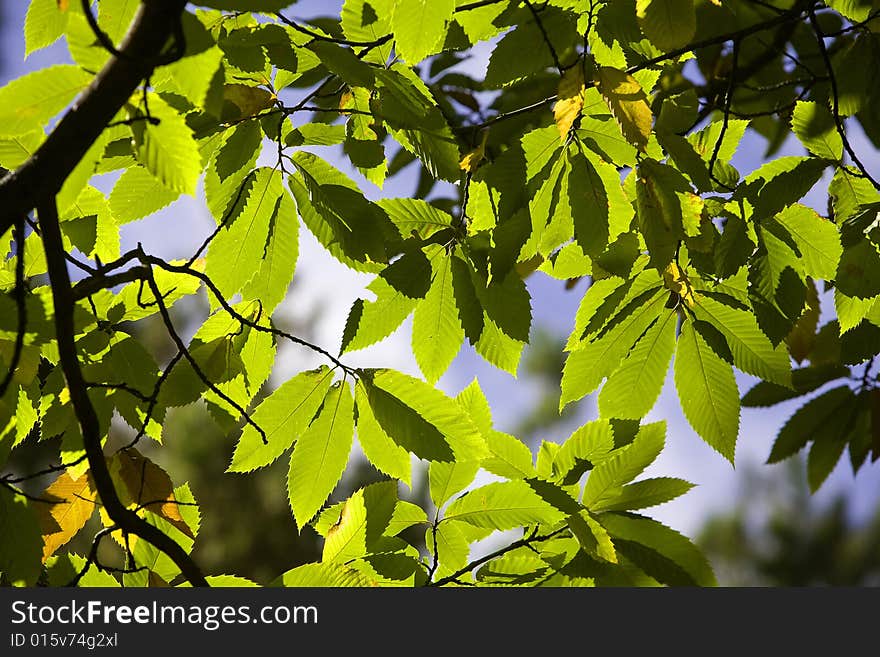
(634, 387)
(44, 24)
(422, 419)
(415, 217)
(437, 334)
(371, 321)
(169, 150)
(707, 391)
(445, 479)
(323, 575)
(509, 457)
(385, 454)
(284, 416)
(623, 465)
(814, 126)
(320, 455)
(588, 445)
(420, 27)
(752, 351)
(503, 505)
(28, 102)
(816, 238)
(138, 194)
(586, 367)
(644, 494)
(236, 252)
(269, 285)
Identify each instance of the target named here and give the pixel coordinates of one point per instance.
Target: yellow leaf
(628, 103)
(146, 485)
(250, 101)
(73, 503)
(472, 159)
(676, 281)
(570, 99)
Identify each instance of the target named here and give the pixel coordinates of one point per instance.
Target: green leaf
(349, 226)
(445, 479)
(229, 175)
(586, 367)
(669, 24)
(814, 126)
(420, 27)
(592, 537)
(406, 514)
(437, 334)
(284, 416)
(823, 418)
(707, 391)
(414, 217)
(236, 252)
(115, 16)
(509, 457)
(803, 380)
(452, 547)
(752, 351)
(858, 273)
(362, 521)
(246, 5)
(634, 387)
(366, 20)
(824, 455)
(386, 455)
(779, 183)
(14, 151)
(588, 445)
(272, 280)
(28, 102)
(690, 566)
(44, 24)
(138, 194)
(849, 194)
(851, 311)
(316, 134)
(662, 200)
(589, 206)
(372, 321)
(323, 575)
(422, 419)
(816, 238)
(320, 455)
(503, 505)
(644, 494)
(20, 558)
(168, 150)
(623, 465)
(472, 400)
(498, 348)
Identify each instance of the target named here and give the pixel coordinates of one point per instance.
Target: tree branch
(43, 174)
(65, 330)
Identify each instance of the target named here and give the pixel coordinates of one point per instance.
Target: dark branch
(65, 330)
(43, 174)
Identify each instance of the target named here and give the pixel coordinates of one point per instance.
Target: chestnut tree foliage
(598, 143)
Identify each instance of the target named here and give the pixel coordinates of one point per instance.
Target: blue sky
(324, 290)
